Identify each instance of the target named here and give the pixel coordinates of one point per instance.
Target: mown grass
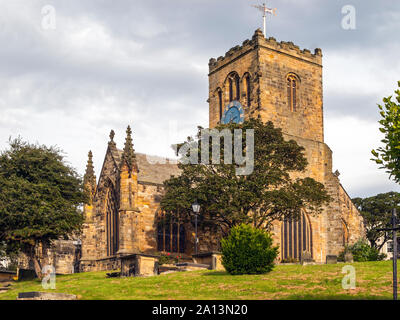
(373, 281)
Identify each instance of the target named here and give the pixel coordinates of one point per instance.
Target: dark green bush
(248, 250)
(165, 260)
(362, 252)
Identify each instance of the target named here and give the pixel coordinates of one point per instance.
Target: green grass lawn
(373, 281)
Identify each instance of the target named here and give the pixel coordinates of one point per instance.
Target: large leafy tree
(388, 156)
(227, 199)
(40, 198)
(377, 213)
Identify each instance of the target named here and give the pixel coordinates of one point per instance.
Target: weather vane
(265, 10)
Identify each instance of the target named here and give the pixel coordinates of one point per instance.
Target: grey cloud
(152, 73)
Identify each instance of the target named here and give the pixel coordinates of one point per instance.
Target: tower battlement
(258, 40)
(277, 81)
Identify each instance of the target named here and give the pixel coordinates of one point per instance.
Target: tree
(228, 199)
(8, 258)
(362, 251)
(40, 198)
(377, 213)
(388, 156)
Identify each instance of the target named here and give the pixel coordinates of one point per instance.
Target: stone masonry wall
(63, 255)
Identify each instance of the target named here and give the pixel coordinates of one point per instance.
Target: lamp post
(196, 210)
(394, 225)
(394, 228)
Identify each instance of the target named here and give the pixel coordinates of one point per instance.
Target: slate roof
(153, 169)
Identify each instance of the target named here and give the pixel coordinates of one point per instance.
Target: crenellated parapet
(259, 41)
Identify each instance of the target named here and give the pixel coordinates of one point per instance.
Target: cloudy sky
(107, 64)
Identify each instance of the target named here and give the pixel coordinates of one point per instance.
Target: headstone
(331, 259)
(45, 296)
(306, 257)
(26, 274)
(348, 257)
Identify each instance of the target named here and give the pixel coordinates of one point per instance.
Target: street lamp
(196, 210)
(394, 228)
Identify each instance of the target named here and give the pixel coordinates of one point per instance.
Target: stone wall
(63, 255)
(105, 264)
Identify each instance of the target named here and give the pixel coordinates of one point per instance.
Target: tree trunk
(31, 253)
(381, 245)
(38, 268)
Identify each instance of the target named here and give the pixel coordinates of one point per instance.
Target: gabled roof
(152, 169)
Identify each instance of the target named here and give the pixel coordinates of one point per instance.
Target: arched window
(175, 237)
(296, 237)
(160, 237)
(248, 90)
(219, 93)
(112, 221)
(170, 237)
(167, 236)
(234, 87)
(237, 82)
(230, 89)
(182, 239)
(292, 86)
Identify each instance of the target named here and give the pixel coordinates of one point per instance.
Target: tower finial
(89, 178)
(128, 155)
(112, 135)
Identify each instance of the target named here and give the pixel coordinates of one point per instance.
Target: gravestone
(212, 259)
(331, 259)
(45, 296)
(139, 265)
(26, 274)
(306, 258)
(348, 257)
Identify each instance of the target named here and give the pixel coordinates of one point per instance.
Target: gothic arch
(220, 102)
(111, 206)
(171, 234)
(232, 86)
(296, 237)
(247, 87)
(293, 87)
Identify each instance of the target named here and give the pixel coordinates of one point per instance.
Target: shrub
(362, 252)
(290, 260)
(164, 260)
(248, 250)
(168, 259)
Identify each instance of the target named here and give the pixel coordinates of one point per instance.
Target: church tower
(279, 82)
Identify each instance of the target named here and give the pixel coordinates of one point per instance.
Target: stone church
(276, 81)
(273, 80)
